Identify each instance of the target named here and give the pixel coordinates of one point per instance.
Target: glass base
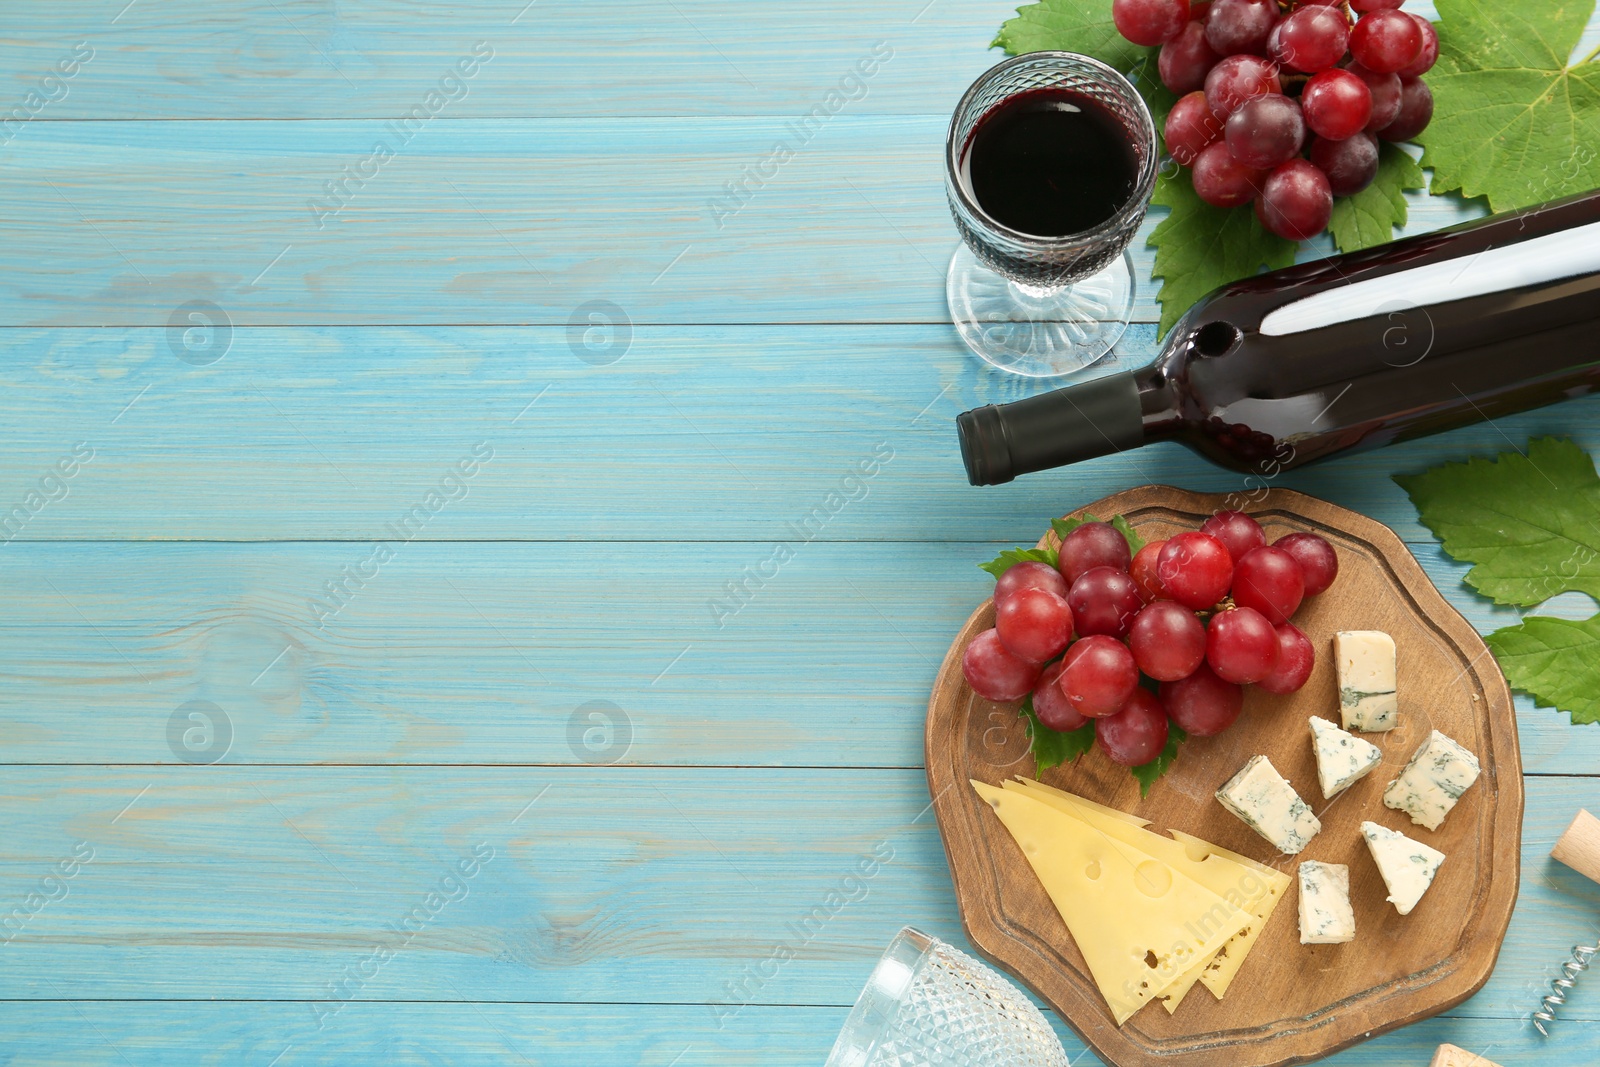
(1039, 333)
(928, 1004)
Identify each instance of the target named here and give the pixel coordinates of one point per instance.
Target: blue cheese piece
(1407, 866)
(1268, 804)
(1326, 917)
(1342, 758)
(1433, 781)
(1365, 663)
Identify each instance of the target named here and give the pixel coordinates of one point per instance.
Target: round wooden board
(1291, 1003)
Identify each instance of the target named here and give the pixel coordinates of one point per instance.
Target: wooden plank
(493, 652)
(121, 1034)
(335, 433)
(517, 220)
(374, 58)
(636, 885)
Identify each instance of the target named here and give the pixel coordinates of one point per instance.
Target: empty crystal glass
(1039, 305)
(930, 1005)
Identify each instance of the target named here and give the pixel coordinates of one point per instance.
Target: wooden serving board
(1291, 1003)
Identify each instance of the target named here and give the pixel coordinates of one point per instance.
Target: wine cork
(1579, 847)
(1451, 1056)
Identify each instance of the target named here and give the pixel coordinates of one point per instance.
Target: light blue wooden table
(398, 388)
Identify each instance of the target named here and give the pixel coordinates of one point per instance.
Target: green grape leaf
(1555, 661)
(1147, 773)
(1062, 527)
(1082, 26)
(1369, 217)
(1529, 522)
(1012, 556)
(1051, 748)
(1199, 247)
(1512, 120)
(1135, 542)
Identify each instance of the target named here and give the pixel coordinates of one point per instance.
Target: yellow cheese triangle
(1219, 974)
(1111, 813)
(1140, 927)
(1247, 885)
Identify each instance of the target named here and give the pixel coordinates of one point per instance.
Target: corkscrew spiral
(1562, 985)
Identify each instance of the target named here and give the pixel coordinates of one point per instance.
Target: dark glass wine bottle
(1355, 351)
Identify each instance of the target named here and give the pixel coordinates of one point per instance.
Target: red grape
(1099, 675)
(1236, 79)
(1237, 27)
(1195, 569)
(1337, 104)
(1190, 127)
(1296, 201)
(1238, 532)
(1050, 704)
(1104, 601)
(1137, 733)
(1350, 165)
(1094, 544)
(1144, 570)
(1203, 704)
(1385, 90)
(1318, 561)
(1429, 54)
(1265, 131)
(1149, 22)
(994, 673)
(1374, 5)
(1030, 574)
(1296, 657)
(1269, 580)
(1241, 645)
(1311, 39)
(1033, 624)
(1416, 111)
(1185, 60)
(1222, 181)
(1386, 40)
(1167, 641)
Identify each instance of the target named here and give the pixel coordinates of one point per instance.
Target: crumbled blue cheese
(1433, 781)
(1364, 660)
(1268, 804)
(1407, 866)
(1326, 917)
(1342, 758)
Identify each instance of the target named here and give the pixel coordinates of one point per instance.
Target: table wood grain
(581, 671)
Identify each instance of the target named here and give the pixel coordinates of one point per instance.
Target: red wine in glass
(1050, 162)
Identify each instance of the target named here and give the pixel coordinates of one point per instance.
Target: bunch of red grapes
(1259, 85)
(1204, 614)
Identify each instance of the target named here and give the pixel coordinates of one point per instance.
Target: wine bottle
(1266, 374)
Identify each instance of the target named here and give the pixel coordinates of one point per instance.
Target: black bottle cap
(999, 442)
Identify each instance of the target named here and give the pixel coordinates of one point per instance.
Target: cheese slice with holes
(1249, 886)
(1221, 970)
(1140, 926)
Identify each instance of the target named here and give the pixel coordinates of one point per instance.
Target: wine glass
(930, 1005)
(1046, 305)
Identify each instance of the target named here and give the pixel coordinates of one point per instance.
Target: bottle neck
(1052, 429)
(1159, 415)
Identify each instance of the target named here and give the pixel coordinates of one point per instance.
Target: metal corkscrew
(1581, 955)
(1578, 848)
